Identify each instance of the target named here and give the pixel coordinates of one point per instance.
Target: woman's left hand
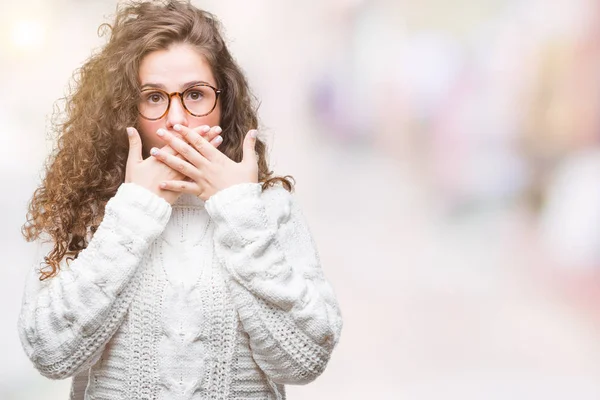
(208, 169)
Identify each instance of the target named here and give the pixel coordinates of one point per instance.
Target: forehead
(174, 66)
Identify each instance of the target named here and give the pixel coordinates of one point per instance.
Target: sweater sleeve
(65, 321)
(285, 304)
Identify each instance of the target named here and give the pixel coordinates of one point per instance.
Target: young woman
(177, 267)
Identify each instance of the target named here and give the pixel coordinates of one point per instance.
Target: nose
(176, 113)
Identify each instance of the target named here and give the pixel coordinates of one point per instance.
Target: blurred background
(447, 157)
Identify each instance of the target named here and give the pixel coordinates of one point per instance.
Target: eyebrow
(184, 86)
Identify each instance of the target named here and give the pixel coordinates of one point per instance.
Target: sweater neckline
(187, 200)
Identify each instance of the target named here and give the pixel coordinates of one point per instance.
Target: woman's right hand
(150, 172)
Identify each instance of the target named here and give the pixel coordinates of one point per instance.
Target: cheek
(212, 119)
(147, 130)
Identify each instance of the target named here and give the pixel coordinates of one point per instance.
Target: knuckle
(198, 143)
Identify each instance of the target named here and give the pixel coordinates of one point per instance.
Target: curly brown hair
(88, 162)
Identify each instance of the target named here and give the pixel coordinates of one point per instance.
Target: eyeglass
(198, 100)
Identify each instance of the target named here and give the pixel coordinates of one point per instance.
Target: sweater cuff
(134, 195)
(238, 212)
(143, 212)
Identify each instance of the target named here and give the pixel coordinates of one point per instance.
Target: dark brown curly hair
(88, 162)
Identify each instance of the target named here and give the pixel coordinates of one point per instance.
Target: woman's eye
(155, 97)
(194, 95)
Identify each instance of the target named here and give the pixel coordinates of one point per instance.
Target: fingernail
(253, 133)
(163, 185)
(160, 132)
(218, 129)
(218, 139)
(154, 151)
(129, 131)
(177, 127)
(205, 128)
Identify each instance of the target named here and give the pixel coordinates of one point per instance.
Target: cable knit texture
(223, 299)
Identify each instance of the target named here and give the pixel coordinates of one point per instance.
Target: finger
(214, 132)
(176, 163)
(198, 142)
(217, 141)
(210, 134)
(181, 186)
(169, 150)
(135, 146)
(202, 130)
(182, 148)
(249, 147)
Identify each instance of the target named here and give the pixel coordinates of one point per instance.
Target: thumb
(249, 153)
(135, 146)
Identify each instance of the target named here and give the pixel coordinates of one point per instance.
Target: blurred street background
(447, 157)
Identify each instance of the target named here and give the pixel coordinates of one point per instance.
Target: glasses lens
(199, 100)
(153, 104)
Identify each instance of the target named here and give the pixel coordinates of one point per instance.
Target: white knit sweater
(223, 299)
